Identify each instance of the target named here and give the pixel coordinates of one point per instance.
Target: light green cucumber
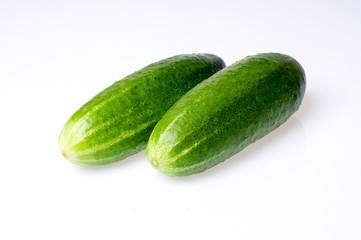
(225, 113)
(118, 121)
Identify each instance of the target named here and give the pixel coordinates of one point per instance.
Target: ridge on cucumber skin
(118, 121)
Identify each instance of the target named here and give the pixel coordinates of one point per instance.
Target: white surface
(300, 182)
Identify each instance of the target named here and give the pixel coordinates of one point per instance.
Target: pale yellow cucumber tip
(64, 154)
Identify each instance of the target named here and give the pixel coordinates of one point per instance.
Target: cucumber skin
(118, 121)
(225, 113)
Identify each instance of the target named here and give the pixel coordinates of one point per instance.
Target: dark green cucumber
(119, 120)
(225, 113)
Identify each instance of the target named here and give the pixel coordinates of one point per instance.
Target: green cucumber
(225, 113)
(119, 120)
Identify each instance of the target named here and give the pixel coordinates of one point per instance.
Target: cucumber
(225, 113)
(118, 121)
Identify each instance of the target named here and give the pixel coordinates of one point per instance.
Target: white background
(302, 181)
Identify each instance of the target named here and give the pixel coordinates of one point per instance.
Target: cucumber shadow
(253, 150)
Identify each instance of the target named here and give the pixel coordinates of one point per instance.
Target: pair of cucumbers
(190, 112)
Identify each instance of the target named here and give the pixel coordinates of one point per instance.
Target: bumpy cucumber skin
(118, 121)
(225, 113)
